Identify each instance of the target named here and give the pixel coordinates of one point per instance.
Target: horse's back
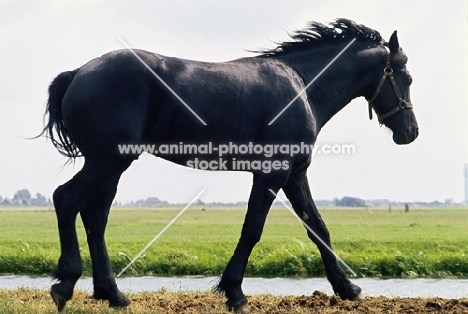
(117, 97)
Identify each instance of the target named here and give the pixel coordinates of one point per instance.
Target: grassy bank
(424, 243)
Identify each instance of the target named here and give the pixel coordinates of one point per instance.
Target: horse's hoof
(350, 292)
(113, 294)
(58, 298)
(119, 301)
(360, 298)
(241, 306)
(243, 309)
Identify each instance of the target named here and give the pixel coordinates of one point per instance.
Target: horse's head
(391, 98)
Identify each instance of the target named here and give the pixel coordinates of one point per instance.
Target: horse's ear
(393, 43)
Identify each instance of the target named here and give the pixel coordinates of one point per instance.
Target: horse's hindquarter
(106, 104)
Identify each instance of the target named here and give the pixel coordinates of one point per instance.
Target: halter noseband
(388, 72)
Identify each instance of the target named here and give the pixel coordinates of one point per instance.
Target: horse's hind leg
(94, 218)
(69, 199)
(298, 192)
(69, 265)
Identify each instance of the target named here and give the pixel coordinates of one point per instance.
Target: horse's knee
(251, 236)
(318, 225)
(322, 232)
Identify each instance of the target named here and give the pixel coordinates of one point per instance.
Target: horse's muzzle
(406, 137)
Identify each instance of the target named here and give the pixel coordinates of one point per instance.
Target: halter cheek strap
(402, 103)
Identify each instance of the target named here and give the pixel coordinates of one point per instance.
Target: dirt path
(317, 303)
(29, 301)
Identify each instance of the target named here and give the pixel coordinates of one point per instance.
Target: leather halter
(402, 103)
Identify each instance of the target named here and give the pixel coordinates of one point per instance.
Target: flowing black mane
(317, 34)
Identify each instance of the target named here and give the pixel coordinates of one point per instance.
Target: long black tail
(55, 128)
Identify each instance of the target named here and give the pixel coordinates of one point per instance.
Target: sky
(40, 39)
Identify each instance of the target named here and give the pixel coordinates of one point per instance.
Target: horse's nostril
(412, 134)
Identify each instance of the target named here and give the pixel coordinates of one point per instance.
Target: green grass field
(422, 243)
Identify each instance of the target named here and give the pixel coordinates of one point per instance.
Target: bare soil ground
(25, 300)
(317, 303)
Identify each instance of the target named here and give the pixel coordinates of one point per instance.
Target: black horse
(118, 99)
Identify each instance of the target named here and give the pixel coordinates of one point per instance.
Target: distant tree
(350, 202)
(40, 197)
(22, 195)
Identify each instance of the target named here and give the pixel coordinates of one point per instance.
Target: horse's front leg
(259, 204)
(298, 192)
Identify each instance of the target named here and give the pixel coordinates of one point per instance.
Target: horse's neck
(344, 79)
